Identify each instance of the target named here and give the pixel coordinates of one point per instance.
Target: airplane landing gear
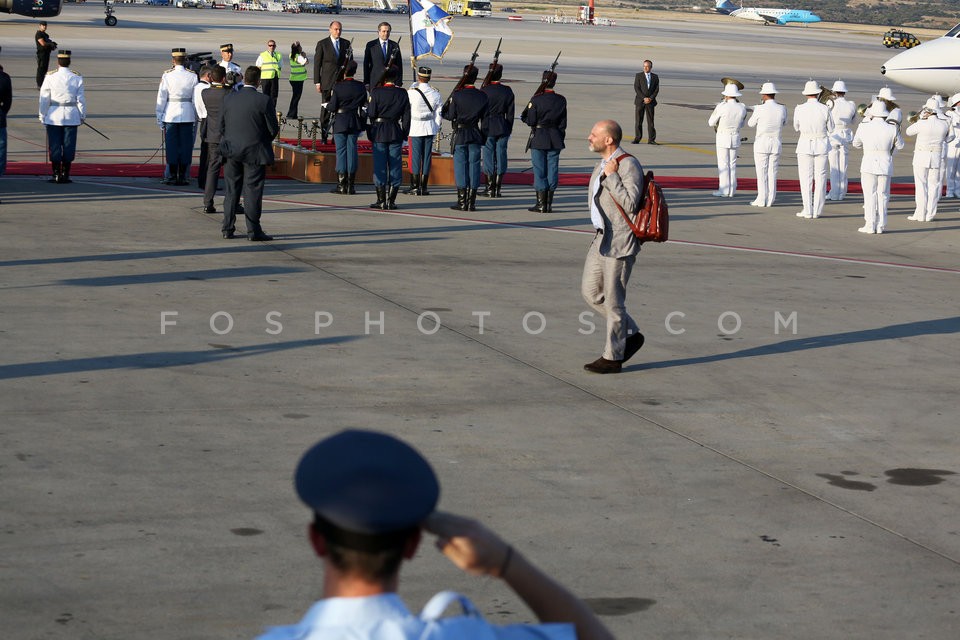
(110, 20)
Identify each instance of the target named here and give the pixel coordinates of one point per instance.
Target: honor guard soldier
(465, 109)
(234, 78)
(813, 121)
(843, 112)
(546, 115)
(933, 133)
(768, 117)
(176, 115)
(425, 103)
(878, 138)
(269, 63)
(952, 172)
(389, 113)
(63, 109)
(348, 97)
(497, 127)
(727, 119)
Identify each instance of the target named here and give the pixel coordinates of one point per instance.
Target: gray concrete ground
(769, 482)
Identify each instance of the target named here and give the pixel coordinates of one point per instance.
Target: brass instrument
(826, 96)
(726, 81)
(862, 109)
(912, 117)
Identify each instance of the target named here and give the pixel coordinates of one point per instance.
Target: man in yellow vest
(269, 63)
(298, 75)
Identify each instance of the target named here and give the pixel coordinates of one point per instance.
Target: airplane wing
(767, 19)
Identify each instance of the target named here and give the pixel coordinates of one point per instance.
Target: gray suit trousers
(604, 287)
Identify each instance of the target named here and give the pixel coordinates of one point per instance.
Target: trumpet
(862, 110)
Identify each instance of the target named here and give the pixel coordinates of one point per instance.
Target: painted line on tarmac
(524, 225)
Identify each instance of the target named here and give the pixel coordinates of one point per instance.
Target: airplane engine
(31, 8)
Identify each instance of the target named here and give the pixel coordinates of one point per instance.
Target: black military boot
(488, 189)
(541, 205)
(64, 173)
(461, 200)
(414, 187)
(392, 197)
(472, 200)
(424, 179)
(55, 172)
(351, 178)
(548, 202)
(498, 182)
(381, 197)
(171, 176)
(341, 186)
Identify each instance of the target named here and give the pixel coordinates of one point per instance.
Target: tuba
(726, 81)
(826, 96)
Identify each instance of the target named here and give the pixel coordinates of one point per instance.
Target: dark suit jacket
(6, 97)
(213, 102)
(643, 91)
(500, 113)
(326, 63)
(390, 104)
(248, 126)
(373, 63)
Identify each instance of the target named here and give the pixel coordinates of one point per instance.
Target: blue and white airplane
(932, 67)
(766, 16)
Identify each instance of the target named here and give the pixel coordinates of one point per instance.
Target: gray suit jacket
(626, 188)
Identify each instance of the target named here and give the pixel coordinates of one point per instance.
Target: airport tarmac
(778, 462)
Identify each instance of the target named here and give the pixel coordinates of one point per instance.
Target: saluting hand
(468, 544)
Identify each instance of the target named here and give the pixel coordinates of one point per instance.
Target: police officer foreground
(372, 497)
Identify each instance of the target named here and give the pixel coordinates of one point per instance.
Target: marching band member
(843, 112)
(932, 134)
(952, 164)
(727, 118)
(769, 118)
(813, 121)
(878, 138)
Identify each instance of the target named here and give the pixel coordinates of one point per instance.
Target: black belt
(346, 110)
(393, 120)
(545, 126)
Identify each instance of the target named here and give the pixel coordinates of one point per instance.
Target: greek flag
(429, 29)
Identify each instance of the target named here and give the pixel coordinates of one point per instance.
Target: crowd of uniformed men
(482, 119)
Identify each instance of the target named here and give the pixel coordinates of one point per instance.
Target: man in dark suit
(327, 59)
(6, 98)
(647, 86)
(381, 53)
(212, 98)
(389, 113)
(248, 126)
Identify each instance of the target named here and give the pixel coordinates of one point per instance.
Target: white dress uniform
(814, 122)
(932, 134)
(769, 119)
(62, 101)
(177, 116)
(424, 121)
(952, 163)
(234, 68)
(728, 117)
(878, 139)
(843, 113)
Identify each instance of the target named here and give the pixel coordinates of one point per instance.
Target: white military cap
(768, 88)
(731, 91)
(839, 86)
(886, 93)
(878, 109)
(941, 103)
(954, 99)
(811, 88)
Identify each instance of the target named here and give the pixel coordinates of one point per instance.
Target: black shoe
(210, 209)
(634, 344)
(259, 237)
(602, 365)
(636, 141)
(653, 142)
(228, 235)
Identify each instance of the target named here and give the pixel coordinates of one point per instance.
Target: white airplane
(766, 16)
(932, 67)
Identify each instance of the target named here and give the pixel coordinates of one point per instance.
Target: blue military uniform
(546, 114)
(497, 127)
(389, 114)
(348, 97)
(465, 109)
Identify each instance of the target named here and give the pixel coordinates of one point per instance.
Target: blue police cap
(367, 482)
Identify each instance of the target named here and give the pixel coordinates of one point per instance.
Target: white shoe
(756, 203)
(730, 195)
(866, 229)
(930, 219)
(719, 194)
(915, 218)
(803, 214)
(879, 230)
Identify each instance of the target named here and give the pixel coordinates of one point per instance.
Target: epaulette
(50, 73)
(74, 72)
(169, 70)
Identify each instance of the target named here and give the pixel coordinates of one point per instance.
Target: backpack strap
(439, 603)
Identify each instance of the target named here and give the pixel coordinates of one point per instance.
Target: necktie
(384, 51)
(336, 48)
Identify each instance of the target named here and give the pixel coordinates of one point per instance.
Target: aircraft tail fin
(725, 6)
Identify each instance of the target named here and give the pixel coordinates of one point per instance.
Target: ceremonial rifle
(347, 57)
(460, 84)
(540, 90)
(496, 57)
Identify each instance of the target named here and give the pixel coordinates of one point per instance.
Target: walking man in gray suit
(248, 126)
(617, 181)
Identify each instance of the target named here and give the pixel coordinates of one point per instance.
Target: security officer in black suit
(465, 109)
(348, 96)
(389, 114)
(497, 127)
(546, 114)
